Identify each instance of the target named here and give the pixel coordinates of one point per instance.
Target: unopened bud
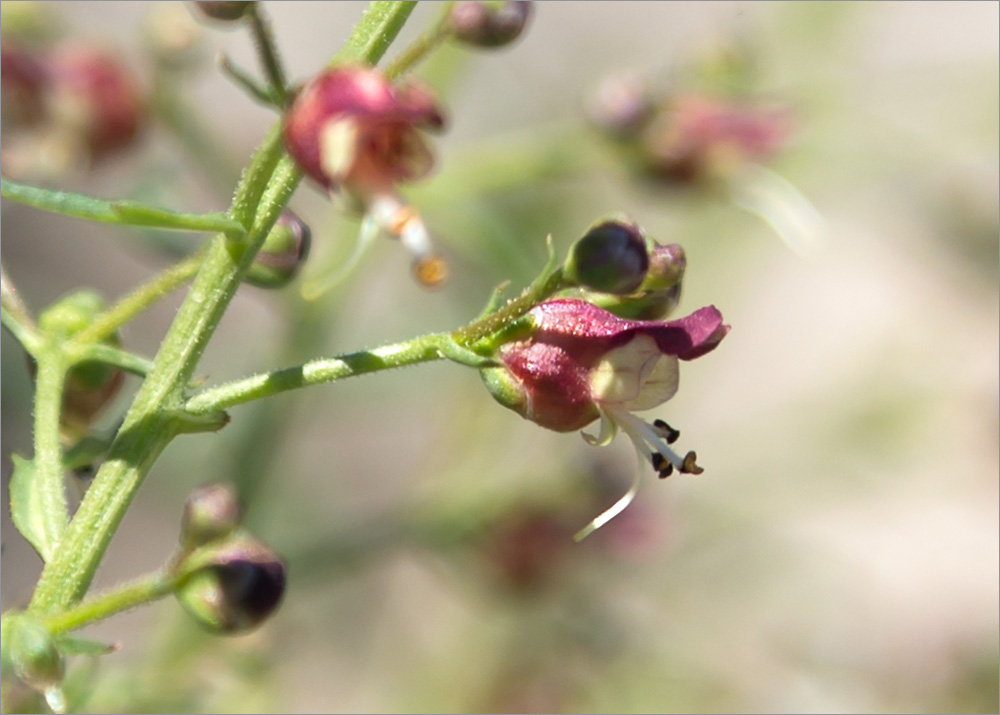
(223, 10)
(620, 106)
(89, 386)
(233, 587)
(33, 653)
(211, 512)
(284, 251)
(658, 294)
(610, 258)
(489, 24)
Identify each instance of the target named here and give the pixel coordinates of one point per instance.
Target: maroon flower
(580, 362)
(695, 137)
(356, 134)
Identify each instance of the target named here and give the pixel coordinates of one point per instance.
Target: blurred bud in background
(489, 24)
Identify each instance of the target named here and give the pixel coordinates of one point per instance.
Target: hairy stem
(49, 383)
(149, 426)
(411, 352)
(423, 46)
(139, 300)
(122, 598)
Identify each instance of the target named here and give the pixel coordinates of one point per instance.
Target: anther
(662, 465)
(669, 433)
(690, 465)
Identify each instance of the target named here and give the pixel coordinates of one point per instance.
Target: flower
(357, 135)
(576, 363)
(695, 137)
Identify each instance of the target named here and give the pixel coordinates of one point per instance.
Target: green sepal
(73, 645)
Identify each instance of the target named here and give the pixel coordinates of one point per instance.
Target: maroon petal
(587, 332)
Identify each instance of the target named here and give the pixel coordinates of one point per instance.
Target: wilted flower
(358, 135)
(577, 363)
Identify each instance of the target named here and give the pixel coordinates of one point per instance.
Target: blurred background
(840, 553)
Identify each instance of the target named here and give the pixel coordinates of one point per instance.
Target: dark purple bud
(489, 24)
(211, 512)
(223, 10)
(232, 588)
(610, 258)
(285, 250)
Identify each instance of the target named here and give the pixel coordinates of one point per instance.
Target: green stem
(49, 384)
(548, 283)
(248, 84)
(423, 46)
(139, 300)
(264, 42)
(15, 316)
(410, 352)
(374, 33)
(149, 426)
(122, 598)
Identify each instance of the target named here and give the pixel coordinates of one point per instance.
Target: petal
(588, 331)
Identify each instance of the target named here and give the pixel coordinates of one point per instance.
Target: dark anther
(669, 433)
(662, 465)
(690, 465)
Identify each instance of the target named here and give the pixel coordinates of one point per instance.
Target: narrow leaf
(123, 213)
(26, 507)
(71, 645)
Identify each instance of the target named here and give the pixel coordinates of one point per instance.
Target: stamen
(690, 465)
(641, 431)
(663, 467)
(403, 221)
(669, 433)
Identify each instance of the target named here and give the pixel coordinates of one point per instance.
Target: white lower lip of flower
(636, 375)
(337, 148)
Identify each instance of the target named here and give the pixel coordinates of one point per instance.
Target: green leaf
(70, 645)
(26, 507)
(122, 213)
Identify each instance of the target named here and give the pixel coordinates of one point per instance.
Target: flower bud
(89, 386)
(284, 251)
(32, 652)
(610, 258)
(211, 512)
(620, 106)
(173, 38)
(659, 293)
(233, 587)
(223, 10)
(489, 24)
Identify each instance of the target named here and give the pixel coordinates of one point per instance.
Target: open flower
(577, 363)
(358, 135)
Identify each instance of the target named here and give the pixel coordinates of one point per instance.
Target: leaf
(71, 645)
(26, 507)
(123, 213)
